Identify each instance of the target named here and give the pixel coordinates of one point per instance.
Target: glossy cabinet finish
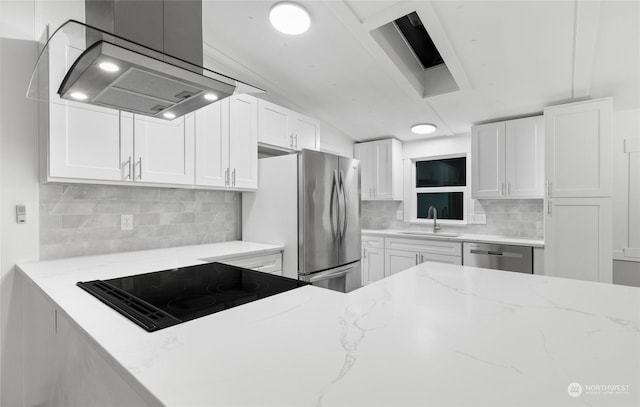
(243, 142)
(508, 159)
(372, 262)
(381, 169)
(212, 145)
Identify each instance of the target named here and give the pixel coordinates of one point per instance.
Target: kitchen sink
(423, 233)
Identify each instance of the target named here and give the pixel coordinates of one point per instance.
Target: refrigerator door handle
(332, 274)
(343, 213)
(332, 212)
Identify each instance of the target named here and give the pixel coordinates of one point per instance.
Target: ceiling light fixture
(169, 115)
(423, 128)
(79, 96)
(289, 18)
(108, 66)
(211, 96)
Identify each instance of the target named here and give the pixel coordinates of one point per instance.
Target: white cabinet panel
(396, 261)
(381, 169)
(439, 258)
(164, 149)
(488, 160)
(578, 149)
(273, 121)
(243, 142)
(441, 247)
(372, 264)
(266, 263)
(578, 240)
(212, 144)
(306, 132)
(524, 157)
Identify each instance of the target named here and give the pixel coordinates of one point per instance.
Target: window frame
(414, 191)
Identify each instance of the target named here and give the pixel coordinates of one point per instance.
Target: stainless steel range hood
(96, 65)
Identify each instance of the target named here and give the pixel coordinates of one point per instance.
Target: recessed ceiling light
(423, 128)
(109, 66)
(79, 96)
(211, 96)
(289, 18)
(169, 115)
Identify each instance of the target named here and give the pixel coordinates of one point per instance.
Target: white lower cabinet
(372, 264)
(578, 239)
(398, 260)
(267, 263)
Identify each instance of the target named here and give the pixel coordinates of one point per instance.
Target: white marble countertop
(459, 238)
(434, 334)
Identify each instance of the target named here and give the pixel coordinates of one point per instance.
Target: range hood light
(168, 115)
(109, 67)
(289, 18)
(211, 96)
(79, 96)
(423, 128)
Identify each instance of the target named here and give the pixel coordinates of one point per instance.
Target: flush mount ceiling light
(289, 18)
(423, 128)
(108, 66)
(169, 115)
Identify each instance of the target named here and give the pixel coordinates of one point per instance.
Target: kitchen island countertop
(435, 334)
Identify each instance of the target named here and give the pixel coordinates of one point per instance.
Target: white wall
(19, 185)
(334, 141)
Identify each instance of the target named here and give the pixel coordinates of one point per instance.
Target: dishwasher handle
(496, 253)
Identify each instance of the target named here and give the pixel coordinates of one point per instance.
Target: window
(440, 182)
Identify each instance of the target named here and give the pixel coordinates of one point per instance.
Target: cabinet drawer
(373, 241)
(425, 246)
(268, 263)
(441, 258)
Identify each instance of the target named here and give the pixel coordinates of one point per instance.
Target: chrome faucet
(436, 227)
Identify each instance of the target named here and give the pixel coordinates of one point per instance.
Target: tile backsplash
(79, 220)
(509, 217)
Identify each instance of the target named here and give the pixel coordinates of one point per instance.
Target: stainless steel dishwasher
(498, 257)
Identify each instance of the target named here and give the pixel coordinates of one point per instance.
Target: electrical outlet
(399, 214)
(478, 219)
(126, 222)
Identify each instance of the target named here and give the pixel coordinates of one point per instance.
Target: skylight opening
(418, 40)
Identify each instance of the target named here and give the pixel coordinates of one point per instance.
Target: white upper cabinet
(578, 149)
(212, 145)
(243, 142)
(381, 169)
(488, 160)
(283, 128)
(508, 159)
(227, 144)
(164, 150)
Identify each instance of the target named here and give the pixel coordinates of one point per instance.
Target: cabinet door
(488, 160)
(373, 264)
(397, 260)
(364, 153)
(578, 239)
(273, 125)
(212, 144)
(243, 142)
(383, 169)
(578, 149)
(306, 132)
(524, 143)
(164, 150)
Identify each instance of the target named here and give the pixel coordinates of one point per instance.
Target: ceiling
(510, 59)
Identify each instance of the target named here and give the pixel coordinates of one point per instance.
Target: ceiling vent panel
(407, 43)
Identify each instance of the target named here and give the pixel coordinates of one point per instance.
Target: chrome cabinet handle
(296, 141)
(129, 164)
(549, 207)
(549, 188)
(139, 169)
(226, 177)
(416, 258)
(233, 177)
(502, 189)
(421, 258)
(364, 254)
(291, 144)
(508, 188)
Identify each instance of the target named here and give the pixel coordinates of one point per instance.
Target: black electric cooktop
(164, 298)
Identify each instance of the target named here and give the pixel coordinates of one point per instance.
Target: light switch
(21, 213)
(126, 222)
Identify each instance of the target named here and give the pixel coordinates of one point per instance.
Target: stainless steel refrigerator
(309, 203)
